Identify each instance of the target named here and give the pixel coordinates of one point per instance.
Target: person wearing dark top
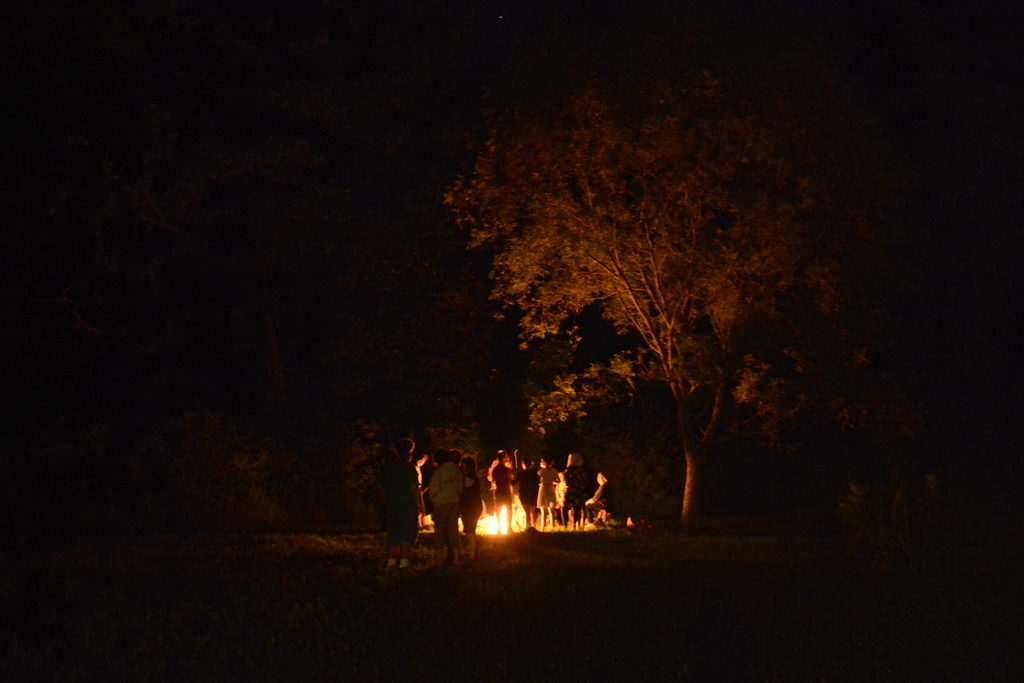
(597, 505)
(529, 486)
(501, 476)
(577, 490)
(471, 505)
(401, 503)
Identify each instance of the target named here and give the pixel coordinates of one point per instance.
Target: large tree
(733, 236)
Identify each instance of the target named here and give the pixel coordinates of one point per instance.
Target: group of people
(447, 488)
(547, 497)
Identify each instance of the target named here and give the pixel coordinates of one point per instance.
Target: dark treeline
(230, 211)
(228, 276)
(234, 213)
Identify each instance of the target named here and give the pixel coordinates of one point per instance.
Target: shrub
(356, 456)
(463, 437)
(898, 525)
(221, 476)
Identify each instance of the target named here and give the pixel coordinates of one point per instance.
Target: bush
(223, 477)
(899, 525)
(353, 463)
(465, 438)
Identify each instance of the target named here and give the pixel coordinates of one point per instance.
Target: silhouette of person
(597, 505)
(471, 505)
(401, 491)
(446, 493)
(501, 478)
(547, 497)
(577, 489)
(529, 486)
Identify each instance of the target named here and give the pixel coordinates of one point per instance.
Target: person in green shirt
(400, 485)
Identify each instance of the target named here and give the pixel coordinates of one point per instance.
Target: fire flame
(502, 523)
(495, 525)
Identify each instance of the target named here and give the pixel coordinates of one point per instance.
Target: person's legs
(401, 534)
(394, 553)
(576, 516)
(446, 533)
(403, 555)
(470, 519)
(439, 540)
(451, 521)
(397, 534)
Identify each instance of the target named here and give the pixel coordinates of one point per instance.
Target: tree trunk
(695, 456)
(695, 451)
(693, 488)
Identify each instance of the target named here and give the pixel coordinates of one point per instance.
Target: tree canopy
(733, 233)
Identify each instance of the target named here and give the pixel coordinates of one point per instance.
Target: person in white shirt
(445, 493)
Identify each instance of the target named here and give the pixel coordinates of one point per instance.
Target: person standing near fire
(501, 475)
(445, 491)
(401, 491)
(547, 499)
(578, 488)
(471, 505)
(528, 485)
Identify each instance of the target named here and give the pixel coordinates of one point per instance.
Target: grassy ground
(745, 600)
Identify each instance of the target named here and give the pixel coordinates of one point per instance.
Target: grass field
(744, 600)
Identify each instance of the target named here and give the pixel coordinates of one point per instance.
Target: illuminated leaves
(716, 225)
(572, 393)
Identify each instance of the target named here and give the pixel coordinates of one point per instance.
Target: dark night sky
(133, 134)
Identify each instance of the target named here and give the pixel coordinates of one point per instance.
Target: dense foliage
(735, 232)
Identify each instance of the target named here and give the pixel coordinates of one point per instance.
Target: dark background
(234, 211)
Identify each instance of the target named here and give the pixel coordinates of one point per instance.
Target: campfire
(503, 522)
